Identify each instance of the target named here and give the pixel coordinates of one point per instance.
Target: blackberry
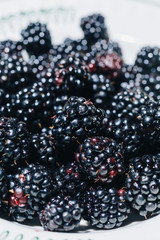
(70, 180)
(78, 120)
(14, 143)
(94, 28)
(10, 47)
(15, 73)
(44, 150)
(29, 189)
(36, 38)
(73, 77)
(100, 159)
(62, 213)
(148, 60)
(103, 90)
(59, 102)
(3, 187)
(143, 185)
(105, 208)
(102, 45)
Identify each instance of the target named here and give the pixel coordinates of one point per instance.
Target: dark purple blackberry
(3, 187)
(78, 120)
(44, 150)
(29, 190)
(34, 105)
(14, 143)
(102, 45)
(103, 90)
(6, 107)
(148, 60)
(36, 38)
(73, 77)
(94, 28)
(10, 47)
(69, 180)
(100, 159)
(62, 214)
(105, 208)
(59, 102)
(143, 185)
(15, 73)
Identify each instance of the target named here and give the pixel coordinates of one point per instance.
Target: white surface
(130, 22)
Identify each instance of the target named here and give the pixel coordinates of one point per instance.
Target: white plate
(131, 22)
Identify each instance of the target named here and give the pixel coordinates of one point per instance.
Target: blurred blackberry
(70, 180)
(73, 77)
(59, 102)
(47, 131)
(78, 120)
(10, 47)
(36, 38)
(44, 150)
(15, 73)
(29, 190)
(105, 208)
(148, 60)
(143, 185)
(6, 108)
(100, 159)
(62, 214)
(103, 90)
(3, 187)
(94, 28)
(14, 143)
(103, 45)
(34, 105)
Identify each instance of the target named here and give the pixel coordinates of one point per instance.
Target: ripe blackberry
(94, 28)
(29, 189)
(143, 185)
(70, 180)
(105, 208)
(34, 105)
(14, 143)
(44, 150)
(73, 77)
(62, 214)
(148, 60)
(100, 159)
(59, 102)
(36, 38)
(15, 73)
(103, 90)
(102, 45)
(78, 120)
(3, 187)
(10, 47)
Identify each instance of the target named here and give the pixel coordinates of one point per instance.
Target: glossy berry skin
(14, 143)
(100, 159)
(36, 38)
(94, 28)
(70, 180)
(3, 187)
(62, 214)
(29, 189)
(78, 119)
(105, 208)
(143, 185)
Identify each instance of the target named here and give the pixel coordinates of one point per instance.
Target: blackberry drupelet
(103, 90)
(100, 159)
(94, 28)
(29, 190)
(44, 150)
(15, 73)
(14, 143)
(105, 208)
(62, 214)
(70, 181)
(148, 60)
(3, 187)
(36, 38)
(143, 185)
(102, 46)
(77, 120)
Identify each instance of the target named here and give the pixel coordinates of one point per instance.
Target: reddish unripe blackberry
(105, 208)
(100, 159)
